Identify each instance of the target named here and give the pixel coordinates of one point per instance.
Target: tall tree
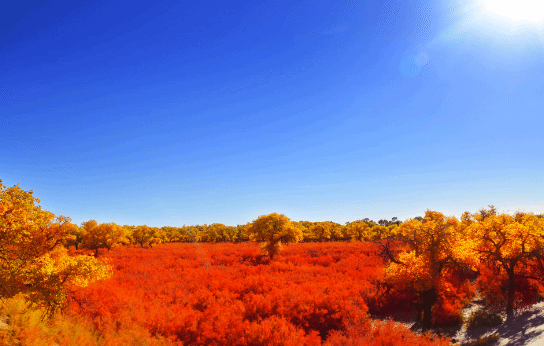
(511, 249)
(33, 260)
(429, 257)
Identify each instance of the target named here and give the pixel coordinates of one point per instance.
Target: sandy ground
(527, 328)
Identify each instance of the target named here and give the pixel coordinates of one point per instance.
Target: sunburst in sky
(517, 10)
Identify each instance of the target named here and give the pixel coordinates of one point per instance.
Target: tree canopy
(33, 260)
(511, 252)
(273, 229)
(427, 262)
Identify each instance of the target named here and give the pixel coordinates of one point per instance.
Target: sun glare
(518, 10)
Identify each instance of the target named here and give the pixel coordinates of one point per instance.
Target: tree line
(94, 236)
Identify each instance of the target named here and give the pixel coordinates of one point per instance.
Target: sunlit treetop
(33, 260)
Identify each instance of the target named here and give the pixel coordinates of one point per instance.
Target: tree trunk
(511, 295)
(271, 249)
(429, 299)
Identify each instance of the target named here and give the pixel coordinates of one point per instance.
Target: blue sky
(173, 112)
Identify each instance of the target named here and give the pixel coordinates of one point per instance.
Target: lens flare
(518, 10)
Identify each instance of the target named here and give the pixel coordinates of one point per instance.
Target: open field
(228, 293)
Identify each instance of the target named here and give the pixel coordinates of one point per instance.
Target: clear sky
(192, 112)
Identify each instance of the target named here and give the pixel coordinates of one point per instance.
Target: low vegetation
(483, 319)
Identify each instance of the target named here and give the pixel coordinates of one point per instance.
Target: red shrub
(223, 294)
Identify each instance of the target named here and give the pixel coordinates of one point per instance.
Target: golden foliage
(32, 258)
(273, 229)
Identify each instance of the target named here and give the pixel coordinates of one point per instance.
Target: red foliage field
(229, 294)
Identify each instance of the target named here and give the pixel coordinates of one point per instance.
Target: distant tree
(189, 233)
(273, 229)
(92, 239)
(241, 233)
(485, 213)
(76, 237)
(358, 230)
(321, 231)
(146, 236)
(337, 231)
(305, 227)
(216, 232)
(229, 233)
(116, 235)
(169, 234)
(105, 235)
(201, 232)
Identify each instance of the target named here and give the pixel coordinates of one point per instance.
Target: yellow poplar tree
(272, 230)
(33, 260)
(430, 251)
(146, 236)
(104, 235)
(321, 231)
(512, 246)
(358, 230)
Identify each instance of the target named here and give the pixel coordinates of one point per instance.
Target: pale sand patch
(526, 329)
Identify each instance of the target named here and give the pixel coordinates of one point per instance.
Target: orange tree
(33, 260)
(511, 251)
(272, 230)
(430, 267)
